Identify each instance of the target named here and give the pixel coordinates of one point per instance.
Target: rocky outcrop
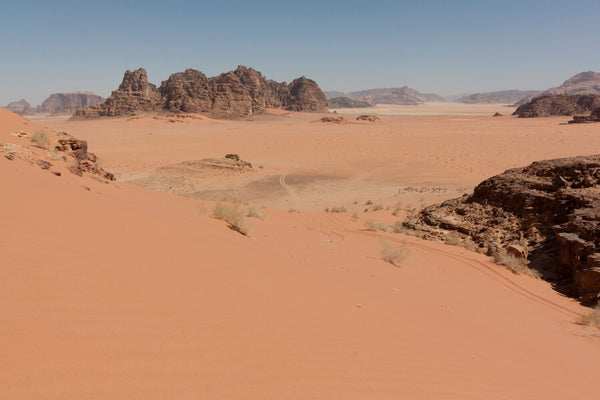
(68, 102)
(582, 83)
(235, 94)
(500, 97)
(582, 119)
(557, 105)
(84, 162)
(134, 95)
(550, 209)
(20, 107)
(368, 118)
(347, 102)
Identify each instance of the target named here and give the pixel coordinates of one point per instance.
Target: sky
(444, 47)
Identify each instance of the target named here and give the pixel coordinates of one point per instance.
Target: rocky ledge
(559, 105)
(548, 213)
(235, 94)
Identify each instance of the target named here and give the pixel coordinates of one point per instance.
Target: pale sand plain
(116, 291)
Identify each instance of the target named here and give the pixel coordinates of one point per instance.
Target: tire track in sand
(484, 269)
(288, 188)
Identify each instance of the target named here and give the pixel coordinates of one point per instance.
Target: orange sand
(118, 292)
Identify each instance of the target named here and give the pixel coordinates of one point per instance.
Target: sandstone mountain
(68, 102)
(582, 83)
(561, 104)
(235, 94)
(547, 213)
(347, 102)
(21, 107)
(500, 97)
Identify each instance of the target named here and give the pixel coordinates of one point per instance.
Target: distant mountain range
(400, 96)
(500, 97)
(57, 103)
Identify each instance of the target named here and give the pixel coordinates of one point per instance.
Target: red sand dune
(117, 292)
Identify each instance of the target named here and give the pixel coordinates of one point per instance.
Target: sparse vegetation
(340, 209)
(517, 265)
(368, 202)
(40, 138)
(455, 239)
(399, 227)
(592, 318)
(294, 210)
(233, 215)
(371, 225)
(377, 207)
(393, 255)
(255, 212)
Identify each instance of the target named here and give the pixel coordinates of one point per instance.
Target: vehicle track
(484, 269)
(288, 188)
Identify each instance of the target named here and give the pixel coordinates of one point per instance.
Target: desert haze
(130, 289)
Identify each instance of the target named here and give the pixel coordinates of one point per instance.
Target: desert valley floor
(130, 290)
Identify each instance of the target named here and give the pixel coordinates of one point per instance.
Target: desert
(299, 200)
(129, 288)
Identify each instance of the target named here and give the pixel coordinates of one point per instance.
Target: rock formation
(550, 209)
(134, 95)
(501, 97)
(21, 107)
(68, 102)
(582, 119)
(347, 102)
(582, 83)
(561, 104)
(240, 93)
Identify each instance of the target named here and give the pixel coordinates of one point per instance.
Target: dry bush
(255, 212)
(294, 210)
(591, 318)
(340, 209)
(455, 239)
(233, 215)
(377, 207)
(517, 265)
(371, 225)
(399, 227)
(40, 138)
(393, 255)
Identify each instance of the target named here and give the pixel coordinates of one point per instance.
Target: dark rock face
(582, 119)
(68, 102)
(347, 102)
(134, 95)
(21, 107)
(556, 105)
(550, 208)
(235, 94)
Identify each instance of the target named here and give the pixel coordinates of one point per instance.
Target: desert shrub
(255, 212)
(340, 209)
(233, 215)
(393, 255)
(399, 227)
(371, 225)
(517, 265)
(592, 318)
(368, 202)
(294, 210)
(40, 138)
(377, 207)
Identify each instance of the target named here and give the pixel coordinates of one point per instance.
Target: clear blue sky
(445, 47)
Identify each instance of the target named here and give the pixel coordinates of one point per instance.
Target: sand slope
(119, 292)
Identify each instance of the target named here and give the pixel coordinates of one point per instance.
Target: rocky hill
(500, 97)
(547, 213)
(235, 94)
(68, 102)
(582, 83)
(347, 102)
(21, 107)
(556, 105)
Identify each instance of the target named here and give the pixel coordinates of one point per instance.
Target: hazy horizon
(433, 47)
